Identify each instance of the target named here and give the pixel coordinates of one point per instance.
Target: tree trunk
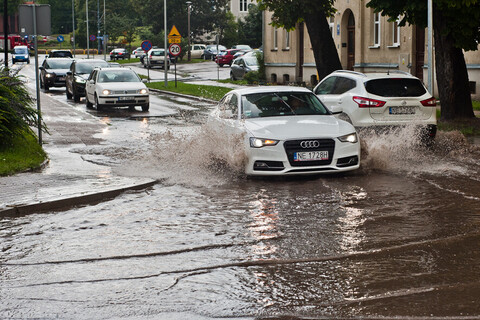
(324, 51)
(452, 76)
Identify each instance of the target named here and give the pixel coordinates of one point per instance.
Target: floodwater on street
(398, 238)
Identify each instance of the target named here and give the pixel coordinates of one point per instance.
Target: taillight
(432, 102)
(368, 103)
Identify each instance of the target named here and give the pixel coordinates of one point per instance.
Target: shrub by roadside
(24, 153)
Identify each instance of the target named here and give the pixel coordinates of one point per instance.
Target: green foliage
(261, 66)
(252, 77)
(22, 154)
(287, 14)
(461, 18)
(228, 30)
(17, 114)
(250, 30)
(476, 105)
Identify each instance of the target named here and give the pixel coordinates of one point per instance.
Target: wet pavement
(397, 239)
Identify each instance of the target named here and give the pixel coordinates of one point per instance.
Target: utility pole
(98, 26)
(105, 40)
(88, 33)
(73, 26)
(189, 55)
(5, 31)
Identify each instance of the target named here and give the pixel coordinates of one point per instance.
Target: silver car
(243, 65)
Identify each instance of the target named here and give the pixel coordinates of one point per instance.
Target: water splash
(199, 156)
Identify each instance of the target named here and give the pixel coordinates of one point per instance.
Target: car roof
(88, 60)
(374, 75)
(113, 68)
(269, 89)
(59, 58)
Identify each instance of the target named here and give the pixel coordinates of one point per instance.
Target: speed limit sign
(174, 49)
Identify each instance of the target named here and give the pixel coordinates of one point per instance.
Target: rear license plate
(402, 110)
(310, 156)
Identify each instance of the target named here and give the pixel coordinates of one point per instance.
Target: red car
(226, 57)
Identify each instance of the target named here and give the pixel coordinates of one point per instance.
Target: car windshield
(222, 53)
(158, 53)
(58, 64)
(251, 61)
(396, 87)
(118, 76)
(86, 68)
(274, 104)
(21, 51)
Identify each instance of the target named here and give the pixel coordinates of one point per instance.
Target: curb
(66, 203)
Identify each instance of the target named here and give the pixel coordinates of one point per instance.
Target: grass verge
(25, 153)
(468, 127)
(209, 92)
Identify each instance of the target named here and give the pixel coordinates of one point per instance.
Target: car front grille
(293, 146)
(121, 92)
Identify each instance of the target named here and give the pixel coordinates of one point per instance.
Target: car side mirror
(91, 81)
(41, 68)
(69, 73)
(144, 80)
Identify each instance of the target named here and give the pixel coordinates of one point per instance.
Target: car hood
(297, 127)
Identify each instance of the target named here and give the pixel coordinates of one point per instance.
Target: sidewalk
(66, 180)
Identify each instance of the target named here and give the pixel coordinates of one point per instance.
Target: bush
(17, 114)
(252, 77)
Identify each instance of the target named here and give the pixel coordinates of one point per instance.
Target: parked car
(138, 53)
(77, 76)
(240, 53)
(226, 57)
(20, 54)
(53, 72)
(380, 100)
(197, 50)
(243, 65)
(156, 57)
(286, 131)
(119, 53)
(116, 87)
(210, 51)
(60, 54)
(244, 47)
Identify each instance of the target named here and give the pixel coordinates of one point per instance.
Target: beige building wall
(365, 42)
(239, 8)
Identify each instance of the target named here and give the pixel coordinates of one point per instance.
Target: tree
(456, 26)
(313, 13)
(250, 30)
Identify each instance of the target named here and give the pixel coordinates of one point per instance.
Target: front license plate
(61, 79)
(124, 98)
(310, 156)
(402, 110)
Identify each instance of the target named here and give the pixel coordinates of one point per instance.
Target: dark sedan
(53, 72)
(119, 53)
(77, 76)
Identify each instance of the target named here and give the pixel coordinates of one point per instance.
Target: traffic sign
(174, 49)
(146, 45)
(92, 37)
(174, 36)
(60, 38)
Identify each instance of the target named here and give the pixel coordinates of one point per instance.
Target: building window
(396, 33)
(287, 40)
(286, 78)
(274, 78)
(275, 39)
(376, 29)
(243, 6)
(331, 23)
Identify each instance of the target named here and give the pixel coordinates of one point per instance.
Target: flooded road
(399, 238)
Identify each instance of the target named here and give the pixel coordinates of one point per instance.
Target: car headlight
(80, 80)
(143, 91)
(259, 143)
(106, 92)
(49, 75)
(351, 137)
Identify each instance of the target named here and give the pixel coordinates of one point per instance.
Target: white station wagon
(287, 131)
(116, 87)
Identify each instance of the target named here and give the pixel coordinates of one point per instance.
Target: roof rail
(352, 72)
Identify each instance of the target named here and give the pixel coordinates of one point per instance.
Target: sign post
(146, 46)
(92, 38)
(174, 49)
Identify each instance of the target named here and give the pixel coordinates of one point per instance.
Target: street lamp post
(73, 26)
(189, 4)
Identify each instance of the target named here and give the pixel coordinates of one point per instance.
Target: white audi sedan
(109, 87)
(287, 131)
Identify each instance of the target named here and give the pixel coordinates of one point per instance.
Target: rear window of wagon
(396, 87)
